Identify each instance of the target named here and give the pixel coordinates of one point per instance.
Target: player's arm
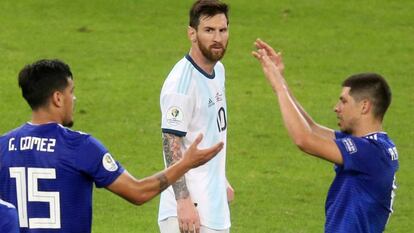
(277, 60)
(172, 152)
(139, 191)
(187, 213)
(301, 132)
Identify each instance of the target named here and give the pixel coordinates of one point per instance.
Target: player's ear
(57, 99)
(366, 106)
(191, 33)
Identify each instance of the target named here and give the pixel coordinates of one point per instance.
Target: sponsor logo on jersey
(219, 97)
(349, 145)
(174, 116)
(109, 163)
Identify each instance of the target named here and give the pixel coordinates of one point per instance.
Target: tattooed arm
(139, 191)
(172, 152)
(188, 218)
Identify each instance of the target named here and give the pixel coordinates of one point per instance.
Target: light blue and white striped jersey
(194, 102)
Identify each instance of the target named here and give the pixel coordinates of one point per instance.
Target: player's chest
(210, 95)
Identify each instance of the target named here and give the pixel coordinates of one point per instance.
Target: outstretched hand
(196, 157)
(271, 62)
(276, 58)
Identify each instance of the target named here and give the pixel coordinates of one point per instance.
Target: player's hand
(195, 157)
(188, 218)
(276, 58)
(230, 193)
(270, 69)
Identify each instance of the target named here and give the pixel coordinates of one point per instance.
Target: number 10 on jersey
(221, 120)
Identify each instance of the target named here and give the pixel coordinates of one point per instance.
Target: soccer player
(8, 218)
(47, 170)
(361, 196)
(193, 101)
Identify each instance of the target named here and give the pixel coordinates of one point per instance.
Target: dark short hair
(207, 8)
(373, 87)
(41, 79)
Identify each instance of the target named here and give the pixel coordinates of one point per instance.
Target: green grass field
(121, 51)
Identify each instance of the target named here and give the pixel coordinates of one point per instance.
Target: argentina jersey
(193, 102)
(47, 171)
(361, 196)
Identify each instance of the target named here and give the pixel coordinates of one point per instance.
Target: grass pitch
(121, 51)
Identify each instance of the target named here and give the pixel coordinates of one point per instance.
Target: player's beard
(68, 124)
(208, 52)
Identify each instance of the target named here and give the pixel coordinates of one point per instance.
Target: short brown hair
(207, 8)
(370, 86)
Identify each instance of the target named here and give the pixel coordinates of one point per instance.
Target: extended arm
(277, 60)
(139, 191)
(299, 125)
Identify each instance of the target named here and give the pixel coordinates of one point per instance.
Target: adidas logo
(210, 102)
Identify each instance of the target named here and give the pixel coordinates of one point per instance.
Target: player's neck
(42, 116)
(202, 61)
(368, 128)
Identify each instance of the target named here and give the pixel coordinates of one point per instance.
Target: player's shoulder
(72, 137)
(179, 79)
(219, 66)
(353, 143)
(379, 139)
(179, 69)
(12, 133)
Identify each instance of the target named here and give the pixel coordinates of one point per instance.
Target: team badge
(174, 116)
(109, 163)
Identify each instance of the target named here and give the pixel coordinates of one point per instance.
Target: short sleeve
(177, 111)
(359, 154)
(95, 160)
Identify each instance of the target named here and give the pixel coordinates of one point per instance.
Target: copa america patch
(109, 163)
(349, 145)
(174, 116)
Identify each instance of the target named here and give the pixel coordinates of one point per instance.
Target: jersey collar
(212, 76)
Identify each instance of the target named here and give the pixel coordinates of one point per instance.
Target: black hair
(41, 79)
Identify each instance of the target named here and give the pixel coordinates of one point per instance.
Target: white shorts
(170, 225)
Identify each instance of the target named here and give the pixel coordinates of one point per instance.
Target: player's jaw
(214, 52)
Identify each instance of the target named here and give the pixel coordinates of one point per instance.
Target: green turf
(121, 51)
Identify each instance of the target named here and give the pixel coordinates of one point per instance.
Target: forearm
(139, 191)
(172, 153)
(296, 124)
(149, 187)
(316, 128)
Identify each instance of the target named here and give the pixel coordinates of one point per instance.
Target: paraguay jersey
(8, 218)
(361, 196)
(47, 171)
(194, 102)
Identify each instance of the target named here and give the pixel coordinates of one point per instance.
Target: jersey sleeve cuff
(174, 132)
